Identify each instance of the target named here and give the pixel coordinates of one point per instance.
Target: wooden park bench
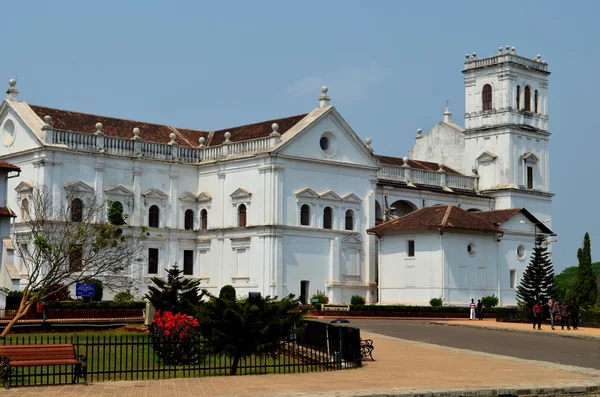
(13, 356)
(366, 348)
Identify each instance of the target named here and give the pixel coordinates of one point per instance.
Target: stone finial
(538, 58)
(368, 143)
(274, 129)
(419, 134)
(136, 133)
(447, 115)
(441, 167)
(474, 55)
(507, 48)
(227, 137)
(172, 136)
(12, 94)
(513, 50)
(324, 98)
(467, 56)
(201, 141)
(99, 127)
(405, 162)
(499, 50)
(47, 121)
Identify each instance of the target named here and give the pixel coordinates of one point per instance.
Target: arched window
(527, 99)
(76, 210)
(153, 216)
(349, 220)
(305, 215)
(486, 97)
(242, 216)
(25, 210)
(535, 101)
(188, 220)
(203, 220)
(518, 97)
(327, 218)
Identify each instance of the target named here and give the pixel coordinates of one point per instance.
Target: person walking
(472, 307)
(564, 315)
(553, 309)
(574, 310)
(538, 312)
(479, 309)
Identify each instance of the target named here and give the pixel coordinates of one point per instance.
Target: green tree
(250, 326)
(538, 279)
(586, 285)
(176, 294)
(68, 242)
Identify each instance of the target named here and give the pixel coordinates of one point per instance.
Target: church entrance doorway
(304, 291)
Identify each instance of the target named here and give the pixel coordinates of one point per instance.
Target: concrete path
(402, 367)
(580, 333)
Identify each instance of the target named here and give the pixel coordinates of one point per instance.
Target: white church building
(302, 203)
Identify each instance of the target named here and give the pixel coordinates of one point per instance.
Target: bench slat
(34, 363)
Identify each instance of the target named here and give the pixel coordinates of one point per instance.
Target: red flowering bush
(175, 337)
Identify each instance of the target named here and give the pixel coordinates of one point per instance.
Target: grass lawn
(118, 355)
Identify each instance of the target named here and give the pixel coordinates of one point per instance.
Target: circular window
(471, 249)
(324, 143)
(8, 132)
(521, 251)
(328, 144)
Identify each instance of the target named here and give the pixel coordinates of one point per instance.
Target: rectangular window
(188, 262)
(76, 258)
(410, 248)
(152, 260)
(529, 177)
(513, 278)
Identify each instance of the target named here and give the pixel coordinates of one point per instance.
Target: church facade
(292, 205)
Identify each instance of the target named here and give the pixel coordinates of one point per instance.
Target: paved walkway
(582, 332)
(402, 367)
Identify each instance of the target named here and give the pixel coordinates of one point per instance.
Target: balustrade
(426, 177)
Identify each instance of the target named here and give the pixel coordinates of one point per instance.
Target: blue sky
(390, 66)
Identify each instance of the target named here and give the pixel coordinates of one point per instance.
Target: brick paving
(401, 366)
(582, 332)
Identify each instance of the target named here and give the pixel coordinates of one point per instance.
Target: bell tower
(506, 129)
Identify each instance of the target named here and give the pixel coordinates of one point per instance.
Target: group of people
(562, 312)
(476, 310)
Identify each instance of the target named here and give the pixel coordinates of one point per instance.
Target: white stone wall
(444, 143)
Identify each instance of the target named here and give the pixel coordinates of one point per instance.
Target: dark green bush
(490, 301)
(123, 297)
(436, 302)
(357, 300)
(228, 293)
(13, 300)
(98, 290)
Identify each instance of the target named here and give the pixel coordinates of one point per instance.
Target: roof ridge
(446, 215)
(259, 122)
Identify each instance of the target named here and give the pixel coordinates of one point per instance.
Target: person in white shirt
(473, 306)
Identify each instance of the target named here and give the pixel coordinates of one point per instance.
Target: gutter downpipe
(443, 267)
(498, 239)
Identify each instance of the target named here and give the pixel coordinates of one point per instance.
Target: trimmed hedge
(95, 305)
(401, 308)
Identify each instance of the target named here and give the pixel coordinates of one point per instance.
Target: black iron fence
(133, 357)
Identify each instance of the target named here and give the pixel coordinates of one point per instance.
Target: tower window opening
(527, 99)
(518, 97)
(486, 97)
(529, 177)
(535, 98)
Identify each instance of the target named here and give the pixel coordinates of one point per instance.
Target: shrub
(357, 300)
(436, 302)
(55, 293)
(228, 293)
(98, 291)
(123, 297)
(489, 301)
(13, 300)
(322, 297)
(175, 338)
(177, 294)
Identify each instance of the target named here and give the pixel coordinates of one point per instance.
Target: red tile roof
(115, 127)
(498, 217)
(6, 212)
(417, 164)
(8, 166)
(439, 217)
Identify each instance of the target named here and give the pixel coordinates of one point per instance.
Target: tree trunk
(234, 365)
(24, 307)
